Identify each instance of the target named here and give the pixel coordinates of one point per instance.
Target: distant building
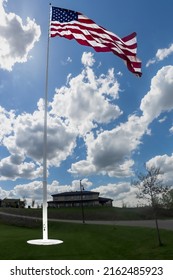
(76, 199)
(12, 203)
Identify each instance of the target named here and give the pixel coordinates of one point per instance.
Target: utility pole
(81, 190)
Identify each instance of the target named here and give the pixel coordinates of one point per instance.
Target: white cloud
(120, 73)
(88, 59)
(150, 61)
(110, 152)
(27, 138)
(161, 54)
(163, 119)
(121, 193)
(79, 107)
(17, 39)
(84, 104)
(115, 191)
(22, 137)
(86, 100)
(171, 130)
(32, 190)
(12, 169)
(67, 61)
(6, 121)
(3, 193)
(159, 98)
(83, 167)
(165, 163)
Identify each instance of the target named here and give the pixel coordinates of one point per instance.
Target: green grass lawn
(84, 242)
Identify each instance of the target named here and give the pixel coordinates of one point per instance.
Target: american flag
(74, 25)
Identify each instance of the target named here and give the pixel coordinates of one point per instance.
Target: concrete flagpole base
(44, 242)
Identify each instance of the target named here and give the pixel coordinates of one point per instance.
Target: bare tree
(167, 199)
(151, 189)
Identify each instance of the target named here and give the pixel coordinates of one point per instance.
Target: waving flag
(73, 25)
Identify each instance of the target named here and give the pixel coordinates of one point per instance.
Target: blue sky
(104, 123)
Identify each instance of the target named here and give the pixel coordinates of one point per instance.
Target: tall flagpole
(44, 209)
(45, 240)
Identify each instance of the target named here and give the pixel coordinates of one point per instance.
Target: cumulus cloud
(12, 170)
(22, 137)
(159, 98)
(115, 191)
(88, 59)
(79, 109)
(25, 145)
(110, 152)
(122, 193)
(165, 163)
(29, 138)
(87, 100)
(160, 55)
(17, 38)
(6, 121)
(32, 190)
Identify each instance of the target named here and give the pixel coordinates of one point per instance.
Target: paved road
(165, 224)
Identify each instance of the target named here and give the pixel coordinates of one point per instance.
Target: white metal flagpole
(45, 240)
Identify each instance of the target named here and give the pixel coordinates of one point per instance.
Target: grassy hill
(90, 213)
(94, 213)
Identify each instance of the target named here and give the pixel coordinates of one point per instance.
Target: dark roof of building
(75, 193)
(104, 199)
(11, 199)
